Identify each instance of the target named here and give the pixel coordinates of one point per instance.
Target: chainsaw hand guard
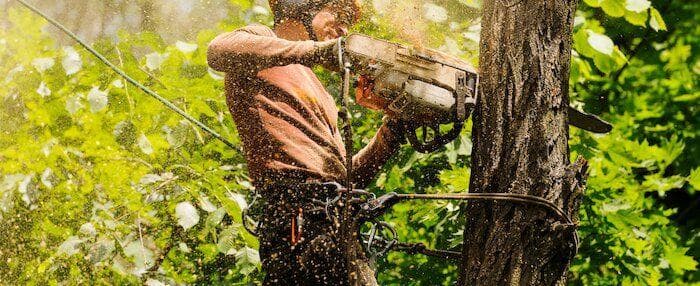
(464, 100)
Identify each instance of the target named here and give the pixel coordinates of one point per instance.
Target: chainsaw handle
(439, 140)
(461, 112)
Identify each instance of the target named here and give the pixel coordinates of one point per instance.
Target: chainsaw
(428, 90)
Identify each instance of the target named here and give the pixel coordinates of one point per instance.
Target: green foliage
(100, 184)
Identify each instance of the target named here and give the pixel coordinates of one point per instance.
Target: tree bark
(520, 135)
(360, 271)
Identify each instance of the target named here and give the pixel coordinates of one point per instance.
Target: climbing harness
(125, 76)
(369, 208)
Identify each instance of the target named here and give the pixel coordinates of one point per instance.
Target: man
(287, 122)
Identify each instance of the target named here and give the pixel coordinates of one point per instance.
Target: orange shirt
(286, 119)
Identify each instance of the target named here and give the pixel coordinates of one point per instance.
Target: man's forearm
(372, 157)
(244, 51)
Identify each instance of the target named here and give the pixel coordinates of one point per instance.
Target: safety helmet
(305, 11)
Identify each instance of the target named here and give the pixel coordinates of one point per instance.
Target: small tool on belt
(297, 226)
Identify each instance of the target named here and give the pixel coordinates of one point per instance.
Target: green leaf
(604, 63)
(97, 99)
(637, 18)
(581, 44)
(187, 215)
(71, 61)
(614, 8)
(227, 240)
(637, 6)
(248, 260)
(396, 180)
(678, 260)
(657, 22)
(662, 185)
(457, 177)
(687, 97)
(600, 43)
(209, 251)
(593, 3)
(231, 206)
(694, 179)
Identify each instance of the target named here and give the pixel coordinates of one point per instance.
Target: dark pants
(317, 259)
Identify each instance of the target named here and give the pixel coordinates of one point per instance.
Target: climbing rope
(374, 208)
(345, 114)
(409, 248)
(123, 74)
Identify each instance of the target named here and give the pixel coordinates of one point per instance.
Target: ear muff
(301, 10)
(305, 10)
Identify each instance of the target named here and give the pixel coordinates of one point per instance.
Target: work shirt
(285, 118)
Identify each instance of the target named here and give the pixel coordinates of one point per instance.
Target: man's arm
(255, 48)
(372, 157)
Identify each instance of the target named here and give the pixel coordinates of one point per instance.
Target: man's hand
(366, 97)
(326, 54)
(396, 126)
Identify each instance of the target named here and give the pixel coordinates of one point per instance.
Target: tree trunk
(520, 135)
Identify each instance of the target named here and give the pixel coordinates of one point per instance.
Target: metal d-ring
(377, 226)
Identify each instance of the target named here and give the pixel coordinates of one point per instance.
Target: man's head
(322, 19)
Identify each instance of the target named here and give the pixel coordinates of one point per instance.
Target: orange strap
(297, 222)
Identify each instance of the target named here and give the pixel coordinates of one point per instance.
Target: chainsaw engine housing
(422, 86)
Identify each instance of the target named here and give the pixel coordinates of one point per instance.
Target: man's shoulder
(258, 29)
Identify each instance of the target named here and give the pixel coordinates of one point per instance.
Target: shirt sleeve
(255, 48)
(372, 157)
